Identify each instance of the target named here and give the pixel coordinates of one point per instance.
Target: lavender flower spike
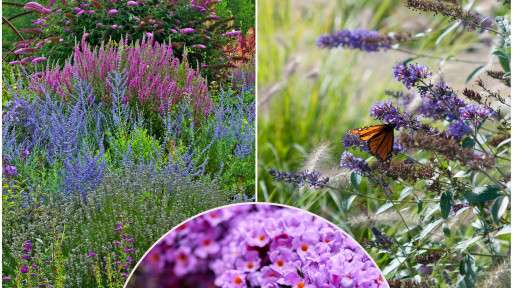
(475, 114)
(358, 165)
(365, 40)
(410, 75)
(299, 179)
(388, 113)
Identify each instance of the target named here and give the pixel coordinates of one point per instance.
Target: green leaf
(356, 180)
(464, 244)
(504, 64)
(505, 230)
(446, 202)
(405, 192)
(468, 270)
(499, 207)
(384, 208)
(346, 204)
(501, 54)
(447, 32)
(39, 240)
(429, 228)
(409, 60)
(447, 231)
(419, 205)
(474, 73)
(468, 142)
(481, 194)
(393, 265)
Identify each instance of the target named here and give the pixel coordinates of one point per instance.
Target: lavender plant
(256, 246)
(448, 187)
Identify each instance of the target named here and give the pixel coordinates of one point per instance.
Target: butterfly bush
(192, 24)
(450, 164)
(257, 246)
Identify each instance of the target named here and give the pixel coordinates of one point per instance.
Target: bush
(194, 26)
(140, 203)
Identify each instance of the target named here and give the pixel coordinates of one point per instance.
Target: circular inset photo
(256, 245)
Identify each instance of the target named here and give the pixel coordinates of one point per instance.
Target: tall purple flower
(440, 103)
(388, 113)
(365, 40)
(475, 114)
(350, 162)
(187, 30)
(36, 8)
(410, 75)
(458, 129)
(38, 60)
(132, 3)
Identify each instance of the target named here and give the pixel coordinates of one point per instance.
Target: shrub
(153, 202)
(191, 25)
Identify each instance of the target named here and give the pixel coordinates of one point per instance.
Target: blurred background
(309, 97)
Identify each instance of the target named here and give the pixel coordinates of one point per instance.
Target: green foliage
(310, 95)
(242, 10)
(143, 198)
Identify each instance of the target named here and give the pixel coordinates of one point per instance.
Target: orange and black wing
(379, 140)
(366, 133)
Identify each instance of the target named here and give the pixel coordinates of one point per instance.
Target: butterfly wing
(366, 133)
(379, 140)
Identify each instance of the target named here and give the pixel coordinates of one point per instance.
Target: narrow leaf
(429, 228)
(447, 32)
(474, 73)
(481, 194)
(356, 180)
(384, 208)
(446, 202)
(499, 207)
(346, 204)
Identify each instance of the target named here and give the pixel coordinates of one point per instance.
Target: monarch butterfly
(379, 140)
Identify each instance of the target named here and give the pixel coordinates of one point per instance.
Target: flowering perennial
(257, 246)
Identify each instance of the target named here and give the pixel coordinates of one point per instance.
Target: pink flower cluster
(154, 76)
(257, 245)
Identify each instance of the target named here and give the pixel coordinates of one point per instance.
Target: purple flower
(365, 40)
(132, 3)
(124, 275)
(24, 269)
(187, 30)
(6, 279)
(232, 34)
(15, 63)
(410, 75)
(128, 259)
(261, 246)
(10, 171)
(358, 165)
(441, 103)
(112, 11)
(352, 142)
(26, 257)
(199, 46)
(389, 114)
(38, 60)
(91, 254)
(475, 114)
(198, 8)
(99, 24)
(458, 129)
(116, 242)
(299, 179)
(114, 26)
(77, 9)
(129, 250)
(36, 8)
(173, 30)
